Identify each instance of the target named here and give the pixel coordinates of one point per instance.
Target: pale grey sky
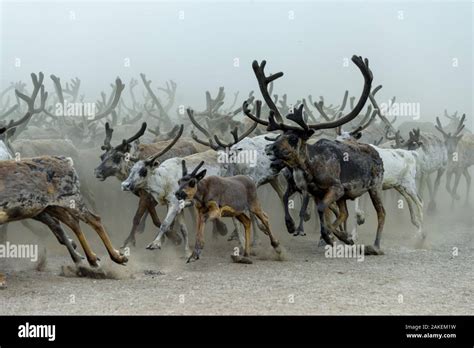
(411, 46)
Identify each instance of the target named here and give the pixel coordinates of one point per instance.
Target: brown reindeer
(217, 197)
(331, 171)
(47, 189)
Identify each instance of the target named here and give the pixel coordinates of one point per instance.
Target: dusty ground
(405, 280)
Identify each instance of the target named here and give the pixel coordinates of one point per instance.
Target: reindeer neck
(200, 194)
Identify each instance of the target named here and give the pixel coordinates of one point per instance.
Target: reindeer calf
(217, 197)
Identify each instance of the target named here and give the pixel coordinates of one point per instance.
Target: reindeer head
(114, 159)
(188, 183)
(289, 148)
(414, 141)
(451, 140)
(142, 170)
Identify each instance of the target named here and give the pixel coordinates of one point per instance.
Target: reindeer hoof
(372, 250)
(153, 245)
(234, 236)
(194, 256)
(241, 259)
(121, 258)
(321, 243)
(299, 232)
(290, 226)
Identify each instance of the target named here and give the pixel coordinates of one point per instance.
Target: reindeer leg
(94, 221)
(416, 212)
(303, 213)
(331, 196)
(432, 202)
(151, 207)
(457, 176)
(275, 183)
(142, 224)
(449, 174)
(199, 244)
(245, 220)
(60, 234)
(341, 219)
(173, 210)
(289, 222)
(184, 233)
(468, 184)
(439, 174)
(236, 234)
(261, 227)
(73, 223)
(263, 217)
(142, 207)
(375, 195)
(422, 184)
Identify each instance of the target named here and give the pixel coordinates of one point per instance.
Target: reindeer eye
(192, 183)
(117, 158)
(143, 172)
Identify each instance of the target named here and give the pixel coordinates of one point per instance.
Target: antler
(126, 142)
(363, 126)
(459, 128)
(108, 137)
(170, 91)
(152, 158)
(38, 87)
(119, 87)
(363, 65)
(379, 112)
(234, 133)
(154, 98)
(263, 82)
(453, 117)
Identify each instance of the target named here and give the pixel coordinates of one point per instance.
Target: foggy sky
(411, 57)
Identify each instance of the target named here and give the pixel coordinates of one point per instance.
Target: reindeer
(216, 197)
(399, 168)
(460, 149)
(47, 189)
(432, 157)
(330, 171)
(159, 180)
(118, 160)
(260, 171)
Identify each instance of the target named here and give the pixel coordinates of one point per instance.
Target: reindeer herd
(210, 163)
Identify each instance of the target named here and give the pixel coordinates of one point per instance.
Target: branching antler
(37, 88)
(152, 158)
(263, 82)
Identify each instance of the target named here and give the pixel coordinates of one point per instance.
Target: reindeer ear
(201, 175)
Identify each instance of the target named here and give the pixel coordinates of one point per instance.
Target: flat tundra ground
(437, 279)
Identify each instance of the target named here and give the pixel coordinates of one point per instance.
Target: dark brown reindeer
(331, 171)
(217, 197)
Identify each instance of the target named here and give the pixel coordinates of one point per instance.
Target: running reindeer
(330, 171)
(217, 197)
(460, 148)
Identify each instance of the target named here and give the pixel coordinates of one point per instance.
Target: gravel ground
(434, 280)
